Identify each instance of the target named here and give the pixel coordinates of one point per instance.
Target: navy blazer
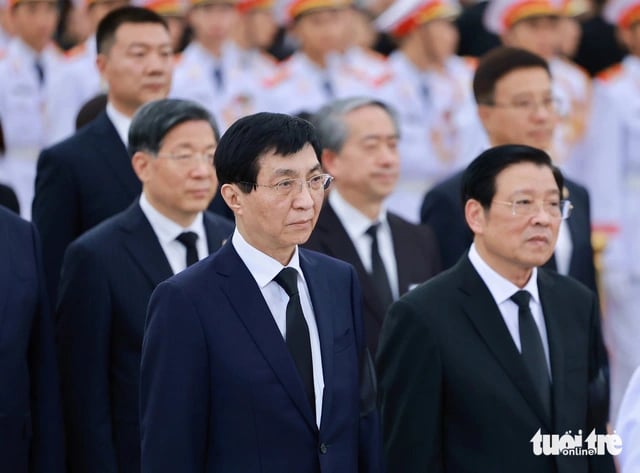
(107, 279)
(9, 199)
(416, 253)
(456, 395)
(219, 389)
(442, 210)
(31, 434)
(80, 182)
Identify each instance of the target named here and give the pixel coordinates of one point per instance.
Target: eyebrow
(292, 173)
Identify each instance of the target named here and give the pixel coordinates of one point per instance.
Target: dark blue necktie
(218, 78)
(378, 271)
(39, 71)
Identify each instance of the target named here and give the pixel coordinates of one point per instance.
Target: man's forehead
(526, 175)
(299, 163)
(130, 33)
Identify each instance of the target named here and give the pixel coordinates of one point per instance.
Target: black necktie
(39, 71)
(188, 239)
(532, 349)
(378, 271)
(297, 331)
(327, 86)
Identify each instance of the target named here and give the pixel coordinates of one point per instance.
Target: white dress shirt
(121, 122)
(501, 290)
(264, 268)
(167, 231)
(356, 225)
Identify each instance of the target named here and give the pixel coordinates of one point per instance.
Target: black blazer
(455, 393)
(9, 199)
(442, 210)
(107, 279)
(31, 433)
(416, 253)
(79, 183)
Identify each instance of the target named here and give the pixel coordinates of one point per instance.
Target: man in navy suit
(88, 177)
(255, 360)
(359, 137)
(516, 105)
(109, 274)
(31, 434)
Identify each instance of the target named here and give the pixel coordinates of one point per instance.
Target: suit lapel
(555, 334)
(215, 238)
(343, 249)
(482, 311)
(114, 154)
(404, 258)
(143, 246)
(324, 309)
(246, 299)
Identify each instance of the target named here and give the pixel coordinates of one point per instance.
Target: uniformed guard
(174, 13)
(316, 73)
(27, 73)
(534, 25)
(430, 87)
(614, 181)
(254, 35)
(210, 70)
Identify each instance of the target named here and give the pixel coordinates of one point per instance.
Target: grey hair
(331, 127)
(155, 119)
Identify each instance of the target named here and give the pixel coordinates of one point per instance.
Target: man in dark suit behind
(253, 359)
(485, 357)
(515, 102)
(359, 138)
(9, 199)
(88, 177)
(31, 434)
(109, 273)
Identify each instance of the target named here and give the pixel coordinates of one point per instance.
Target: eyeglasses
(286, 186)
(549, 104)
(558, 209)
(187, 159)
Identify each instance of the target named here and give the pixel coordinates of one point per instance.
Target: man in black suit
(516, 105)
(88, 177)
(31, 434)
(481, 361)
(109, 273)
(359, 137)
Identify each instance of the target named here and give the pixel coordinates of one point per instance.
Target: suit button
(323, 448)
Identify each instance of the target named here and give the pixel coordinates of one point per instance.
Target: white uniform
(300, 85)
(26, 113)
(628, 427)
(572, 87)
(440, 131)
(613, 179)
(233, 93)
(78, 82)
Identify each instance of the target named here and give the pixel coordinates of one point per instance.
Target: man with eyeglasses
(481, 360)
(359, 137)
(516, 105)
(109, 273)
(255, 359)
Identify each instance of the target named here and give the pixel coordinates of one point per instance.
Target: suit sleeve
(47, 450)
(84, 333)
(174, 386)
(444, 216)
(56, 214)
(410, 383)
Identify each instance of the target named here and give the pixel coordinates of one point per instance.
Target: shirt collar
(355, 222)
(501, 288)
(121, 122)
(262, 267)
(166, 229)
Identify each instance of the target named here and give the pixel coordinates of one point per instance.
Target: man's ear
(475, 216)
(233, 197)
(141, 163)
